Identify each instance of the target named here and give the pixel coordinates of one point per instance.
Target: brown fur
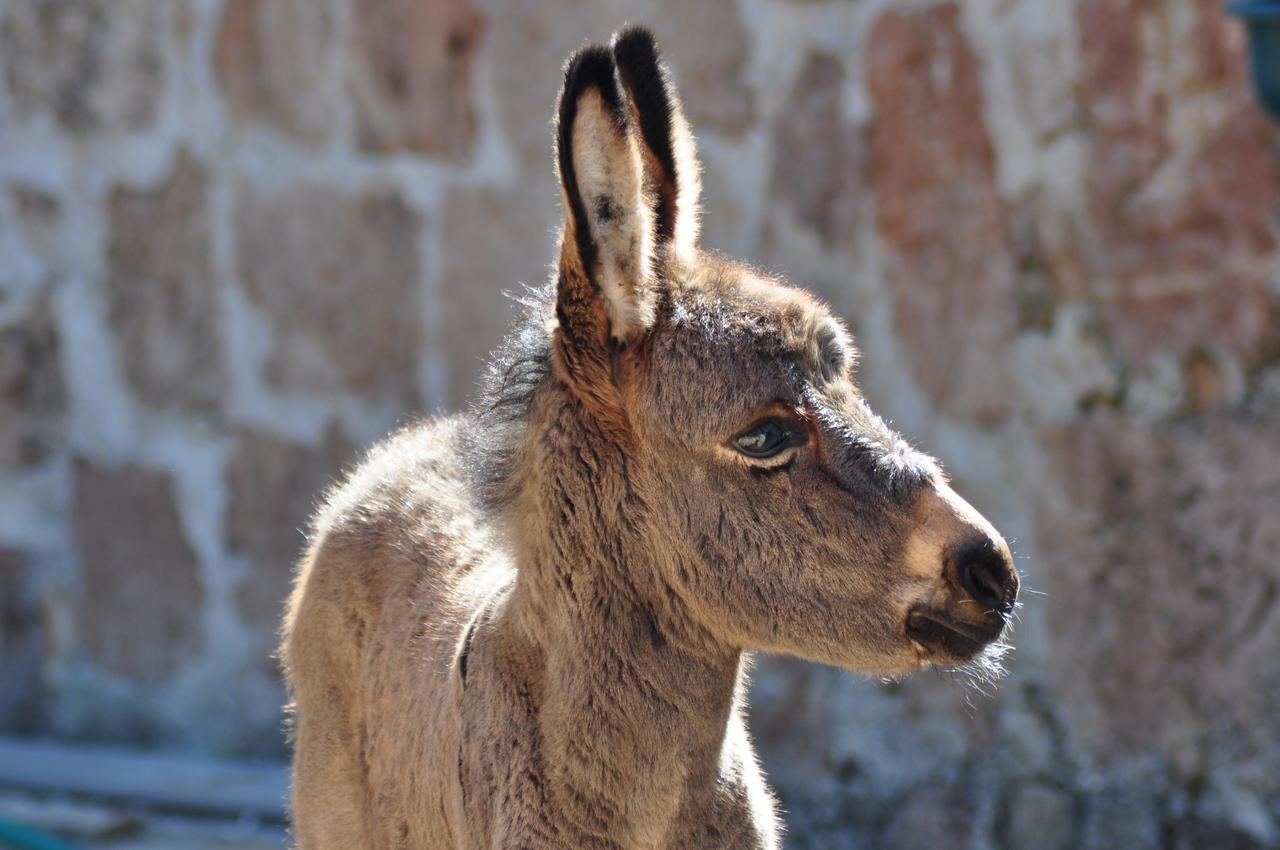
(527, 627)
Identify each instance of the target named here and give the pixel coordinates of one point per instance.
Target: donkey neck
(632, 725)
(633, 699)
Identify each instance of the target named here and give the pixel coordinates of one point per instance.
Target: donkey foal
(525, 627)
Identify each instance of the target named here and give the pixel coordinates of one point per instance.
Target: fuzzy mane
(517, 370)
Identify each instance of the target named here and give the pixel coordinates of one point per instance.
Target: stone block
(336, 275)
(23, 642)
(819, 166)
(140, 606)
(1162, 575)
(949, 259)
(96, 65)
(411, 69)
(495, 242)
(271, 58)
(1038, 816)
(1182, 181)
(33, 397)
(163, 303)
(273, 487)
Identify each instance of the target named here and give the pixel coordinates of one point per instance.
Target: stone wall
(240, 239)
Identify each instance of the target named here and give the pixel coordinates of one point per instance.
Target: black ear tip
(591, 65)
(635, 44)
(646, 83)
(588, 67)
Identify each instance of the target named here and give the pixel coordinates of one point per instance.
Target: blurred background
(241, 239)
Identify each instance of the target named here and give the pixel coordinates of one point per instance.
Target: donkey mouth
(947, 640)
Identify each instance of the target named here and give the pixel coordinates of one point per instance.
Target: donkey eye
(768, 438)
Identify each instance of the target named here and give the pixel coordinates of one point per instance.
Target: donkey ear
(669, 154)
(606, 250)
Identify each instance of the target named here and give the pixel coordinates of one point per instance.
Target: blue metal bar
(21, 837)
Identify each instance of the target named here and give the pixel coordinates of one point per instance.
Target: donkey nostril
(982, 584)
(986, 576)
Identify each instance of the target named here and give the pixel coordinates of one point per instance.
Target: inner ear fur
(607, 247)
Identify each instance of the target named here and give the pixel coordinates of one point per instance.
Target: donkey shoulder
(400, 525)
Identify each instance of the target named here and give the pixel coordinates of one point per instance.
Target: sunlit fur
(529, 626)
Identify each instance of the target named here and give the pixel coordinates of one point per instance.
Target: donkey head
(783, 514)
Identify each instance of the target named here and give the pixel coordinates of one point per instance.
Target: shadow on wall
(240, 239)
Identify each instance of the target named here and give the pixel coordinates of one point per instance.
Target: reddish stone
(271, 57)
(1159, 561)
(162, 299)
(274, 486)
(819, 161)
(337, 276)
(411, 75)
(33, 399)
(949, 259)
(141, 599)
(96, 65)
(1182, 244)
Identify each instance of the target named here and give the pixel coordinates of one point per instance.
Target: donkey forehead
(740, 317)
(729, 351)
